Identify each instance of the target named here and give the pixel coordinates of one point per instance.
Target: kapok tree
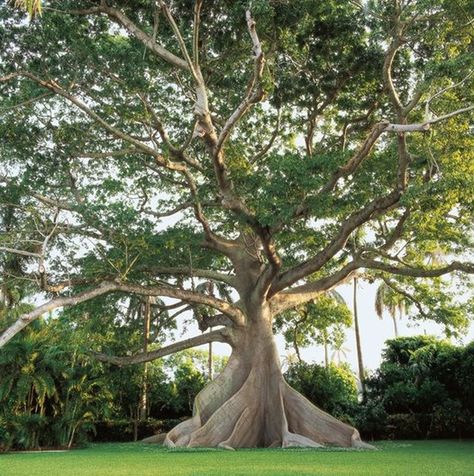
(151, 146)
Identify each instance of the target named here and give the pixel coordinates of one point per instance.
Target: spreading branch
(104, 287)
(119, 17)
(417, 272)
(219, 335)
(254, 92)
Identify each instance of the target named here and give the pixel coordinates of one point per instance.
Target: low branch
(220, 335)
(106, 287)
(196, 272)
(56, 303)
(188, 296)
(205, 322)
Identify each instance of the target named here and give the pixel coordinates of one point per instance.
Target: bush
(333, 389)
(423, 389)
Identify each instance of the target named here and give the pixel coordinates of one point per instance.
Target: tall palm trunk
(360, 362)
(326, 351)
(146, 337)
(395, 327)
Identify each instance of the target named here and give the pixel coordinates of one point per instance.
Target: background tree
(386, 299)
(116, 115)
(321, 322)
(420, 390)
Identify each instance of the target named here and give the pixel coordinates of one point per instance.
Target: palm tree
(340, 352)
(387, 299)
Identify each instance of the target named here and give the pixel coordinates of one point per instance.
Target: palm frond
(32, 7)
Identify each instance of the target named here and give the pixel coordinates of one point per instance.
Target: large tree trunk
(250, 405)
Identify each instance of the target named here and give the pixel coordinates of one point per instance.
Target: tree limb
(417, 272)
(220, 335)
(196, 272)
(426, 125)
(56, 303)
(349, 225)
(293, 297)
(254, 91)
(111, 286)
(119, 17)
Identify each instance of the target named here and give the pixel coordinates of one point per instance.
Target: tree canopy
(150, 146)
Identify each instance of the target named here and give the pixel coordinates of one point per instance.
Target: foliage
(333, 389)
(144, 156)
(422, 389)
(322, 321)
(100, 158)
(52, 393)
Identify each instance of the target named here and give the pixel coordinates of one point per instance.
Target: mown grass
(404, 458)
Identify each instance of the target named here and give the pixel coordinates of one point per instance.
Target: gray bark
(250, 405)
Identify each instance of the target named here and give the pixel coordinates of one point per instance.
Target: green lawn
(404, 458)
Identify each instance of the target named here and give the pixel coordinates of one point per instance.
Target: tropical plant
(387, 299)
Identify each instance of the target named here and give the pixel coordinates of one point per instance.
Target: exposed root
(263, 411)
(291, 440)
(306, 419)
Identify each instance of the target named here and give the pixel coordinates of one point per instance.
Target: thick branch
(425, 126)
(337, 243)
(185, 295)
(105, 287)
(417, 272)
(254, 91)
(207, 321)
(220, 335)
(56, 303)
(196, 272)
(301, 294)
